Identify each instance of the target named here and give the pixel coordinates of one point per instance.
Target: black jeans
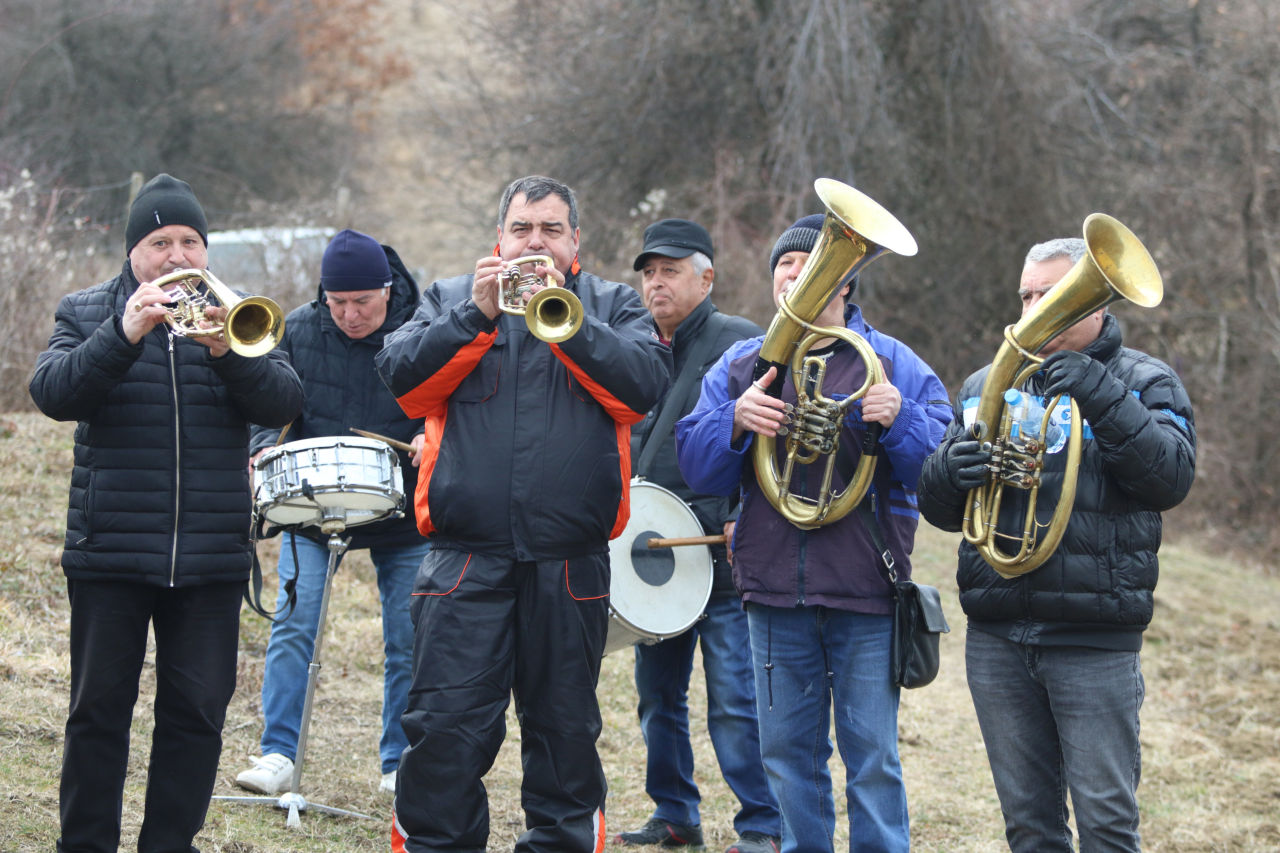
(197, 631)
(485, 627)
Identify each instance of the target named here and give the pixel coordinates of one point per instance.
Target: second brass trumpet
(553, 313)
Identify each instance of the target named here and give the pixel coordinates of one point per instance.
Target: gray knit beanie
(800, 237)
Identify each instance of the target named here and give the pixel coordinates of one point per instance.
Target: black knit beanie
(164, 200)
(800, 237)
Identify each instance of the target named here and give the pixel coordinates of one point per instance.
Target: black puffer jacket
(1138, 459)
(160, 487)
(342, 390)
(712, 510)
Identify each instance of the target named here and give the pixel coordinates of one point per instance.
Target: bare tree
(250, 101)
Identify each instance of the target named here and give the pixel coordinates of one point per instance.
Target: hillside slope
(1210, 727)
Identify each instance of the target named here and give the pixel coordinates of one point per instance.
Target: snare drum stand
(333, 523)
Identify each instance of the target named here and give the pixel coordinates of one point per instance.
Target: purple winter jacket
(836, 565)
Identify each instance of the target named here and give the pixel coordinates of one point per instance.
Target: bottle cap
(1013, 396)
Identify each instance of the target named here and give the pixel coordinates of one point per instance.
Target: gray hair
(1071, 248)
(701, 263)
(536, 188)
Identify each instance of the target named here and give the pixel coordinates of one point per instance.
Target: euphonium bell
(253, 326)
(855, 231)
(1115, 266)
(553, 314)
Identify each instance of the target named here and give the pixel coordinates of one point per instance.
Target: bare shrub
(44, 253)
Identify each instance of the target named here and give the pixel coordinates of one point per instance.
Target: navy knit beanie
(163, 200)
(800, 237)
(354, 261)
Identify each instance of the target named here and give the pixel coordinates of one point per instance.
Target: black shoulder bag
(917, 617)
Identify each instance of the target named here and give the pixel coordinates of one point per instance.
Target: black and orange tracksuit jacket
(527, 450)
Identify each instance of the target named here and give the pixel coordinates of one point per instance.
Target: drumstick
(398, 445)
(687, 540)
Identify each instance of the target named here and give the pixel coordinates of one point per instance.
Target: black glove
(966, 463)
(1082, 378)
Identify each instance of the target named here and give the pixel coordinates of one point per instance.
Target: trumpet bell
(554, 314)
(253, 326)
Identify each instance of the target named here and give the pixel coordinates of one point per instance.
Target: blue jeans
(662, 680)
(289, 651)
(1058, 719)
(806, 659)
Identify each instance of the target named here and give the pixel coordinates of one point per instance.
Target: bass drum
(655, 593)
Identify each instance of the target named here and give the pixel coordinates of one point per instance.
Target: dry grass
(1211, 725)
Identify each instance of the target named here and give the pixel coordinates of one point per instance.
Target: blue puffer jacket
(343, 390)
(1138, 459)
(837, 565)
(160, 487)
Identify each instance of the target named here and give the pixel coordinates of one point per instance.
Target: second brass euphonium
(1115, 266)
(553, 314)
(855, 231)
(253, 326)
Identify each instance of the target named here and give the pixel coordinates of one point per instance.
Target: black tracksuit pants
(484, 627)
(197, 632)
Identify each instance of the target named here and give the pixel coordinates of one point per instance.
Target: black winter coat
(160, 487)
(1138, 458)
(528, 444)
(342, 390)
(712, 510)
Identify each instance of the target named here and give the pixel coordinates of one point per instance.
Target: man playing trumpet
(524, 479)
(157, 525)
(1051, 655)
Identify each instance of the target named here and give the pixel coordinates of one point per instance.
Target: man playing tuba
(818, 604)
(1052, 655)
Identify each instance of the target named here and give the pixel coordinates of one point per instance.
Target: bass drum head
(656, 592)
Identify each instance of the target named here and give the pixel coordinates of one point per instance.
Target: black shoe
(664, 835)
(754, 842)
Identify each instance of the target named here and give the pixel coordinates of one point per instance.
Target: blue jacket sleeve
(924, 416)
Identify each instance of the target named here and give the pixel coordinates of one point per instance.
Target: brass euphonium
(253, 326)
(855, 231)
(1115, 266)
(553, 314)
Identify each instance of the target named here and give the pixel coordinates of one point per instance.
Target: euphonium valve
(855, 231)
(1115, 266)
(253, 326)
(553, 314)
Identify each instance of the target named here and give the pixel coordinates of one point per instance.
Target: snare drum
(313, 479)
(655, 593)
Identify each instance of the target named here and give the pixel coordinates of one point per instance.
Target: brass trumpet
(855, 231)
(253, 326)
(1115, 266)
(553, 314)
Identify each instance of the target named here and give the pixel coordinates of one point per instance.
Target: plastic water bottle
(1026, 414)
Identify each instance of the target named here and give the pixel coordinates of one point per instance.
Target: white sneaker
(270, 774)
(388, 783)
